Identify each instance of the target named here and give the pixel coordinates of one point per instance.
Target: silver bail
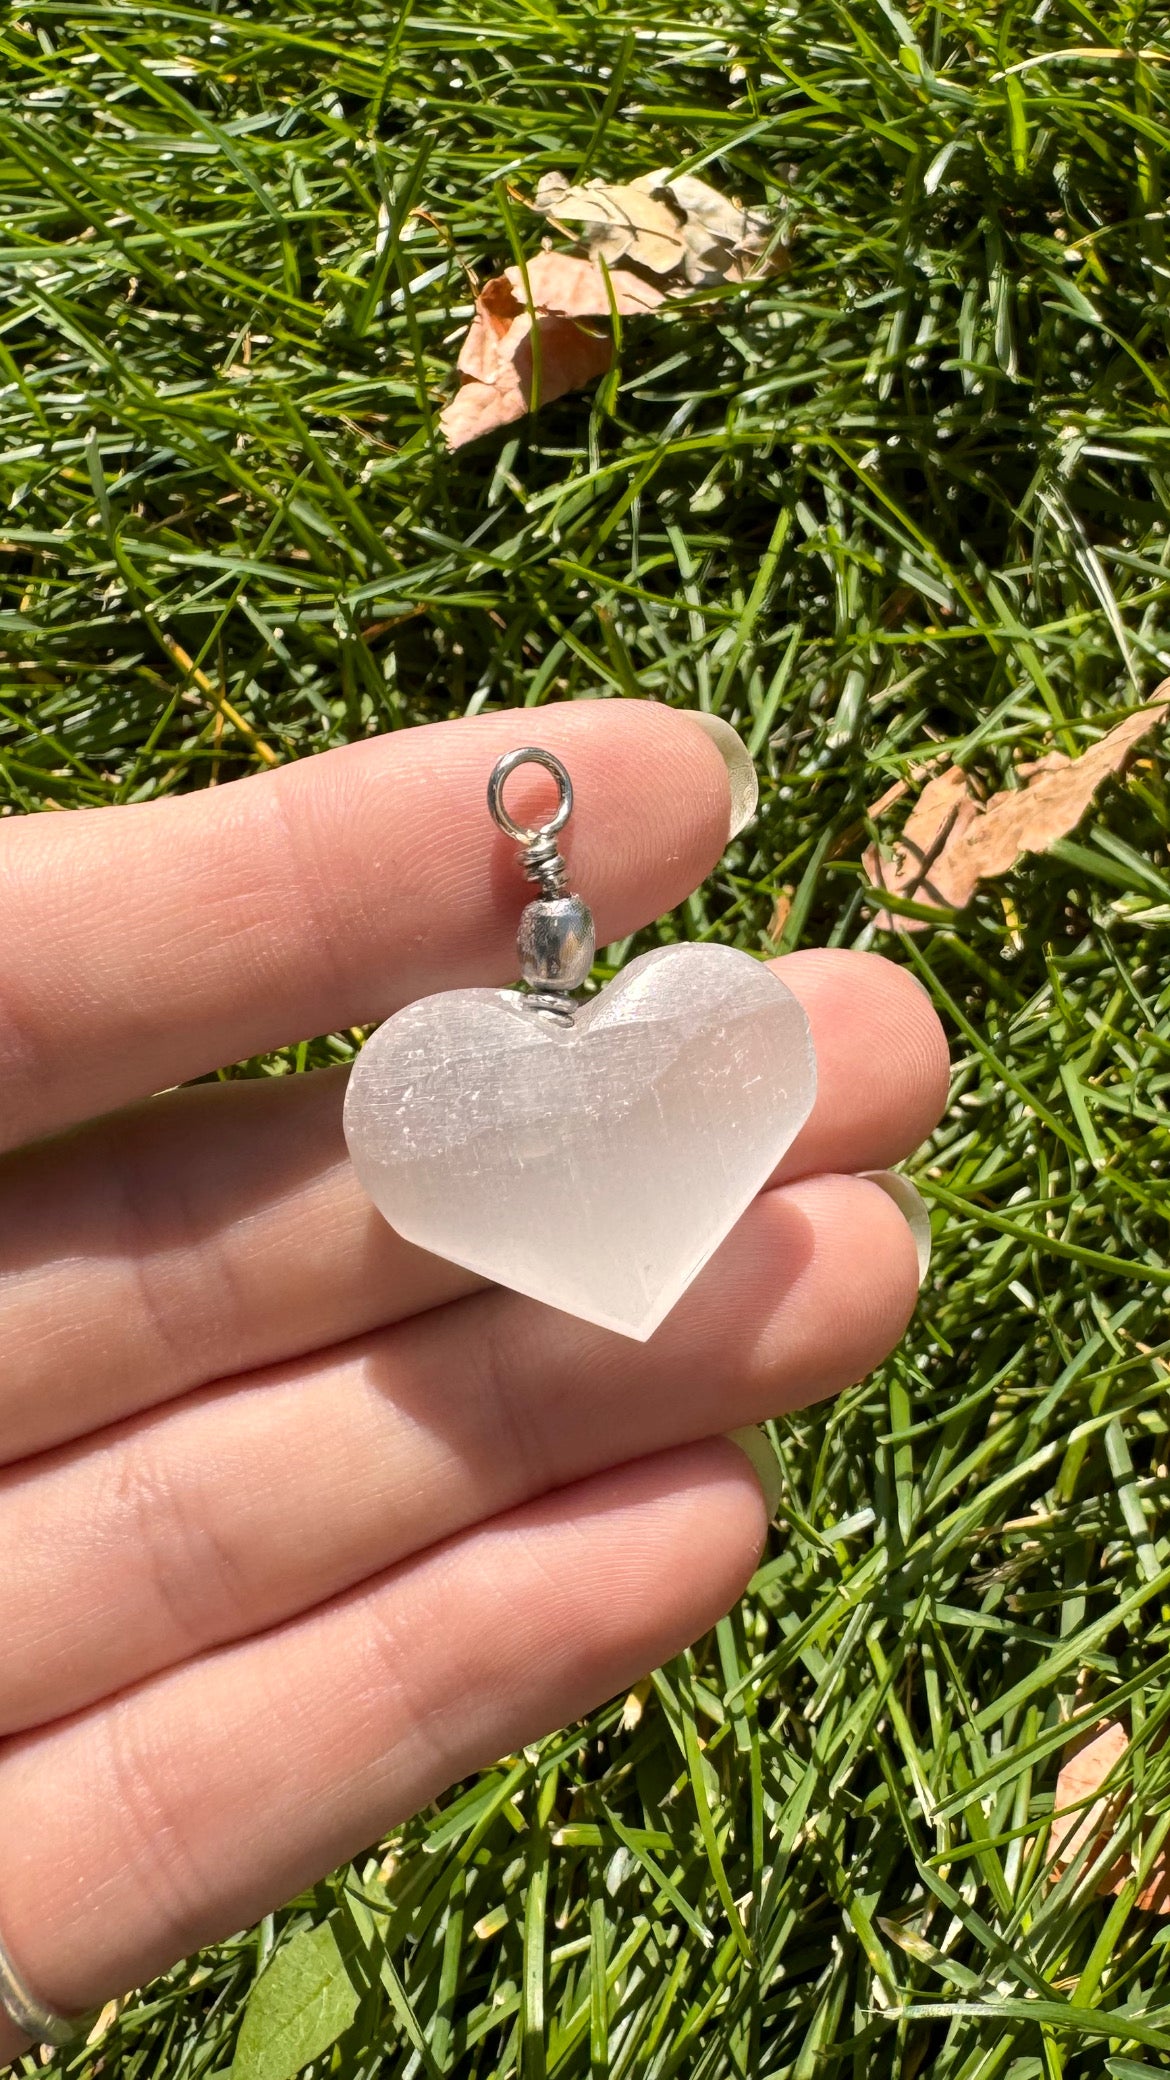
(555, 942)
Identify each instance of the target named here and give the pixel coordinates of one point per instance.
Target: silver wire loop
(555, 943)
(530, 755)
(29, 2014)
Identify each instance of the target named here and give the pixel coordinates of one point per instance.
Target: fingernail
(912, 1207)
(741, 772)
(765, 1465)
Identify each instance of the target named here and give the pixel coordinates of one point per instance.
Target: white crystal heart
(594, 1165)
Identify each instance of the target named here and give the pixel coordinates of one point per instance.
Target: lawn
(904, 502)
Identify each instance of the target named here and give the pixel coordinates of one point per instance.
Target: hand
(297, 1526)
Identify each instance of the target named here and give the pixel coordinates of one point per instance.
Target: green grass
(911, 497)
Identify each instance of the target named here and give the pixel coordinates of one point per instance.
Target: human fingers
(229, 1511)
(222, 1228)
(147, 945)
(882, 1063)
(194, 1803)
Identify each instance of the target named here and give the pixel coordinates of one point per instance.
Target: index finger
(147, 945)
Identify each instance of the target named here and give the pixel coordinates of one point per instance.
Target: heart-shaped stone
(594, 1165)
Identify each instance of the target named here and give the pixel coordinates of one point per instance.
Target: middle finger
(221, 1229)
(240, 1506)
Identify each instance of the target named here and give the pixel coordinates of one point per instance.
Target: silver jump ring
(530, 755)
(31, 2017)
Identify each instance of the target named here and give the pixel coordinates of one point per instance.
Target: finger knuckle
(190, 1573)
(155, 1843)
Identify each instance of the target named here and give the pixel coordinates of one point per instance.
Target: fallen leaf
(725, 243)
(618, 220)
(918, 867)
(496, 360)
(683, 232)
(570, 357)
(1076, 1825)
(899, 789)
(679, 226)
(952, 841)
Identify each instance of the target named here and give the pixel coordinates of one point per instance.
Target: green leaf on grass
(299, 2006)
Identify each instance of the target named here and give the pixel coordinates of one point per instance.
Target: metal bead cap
(555, 942)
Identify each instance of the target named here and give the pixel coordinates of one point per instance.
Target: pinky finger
(137, 1831)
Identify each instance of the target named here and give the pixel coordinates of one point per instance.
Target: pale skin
(297, 1525)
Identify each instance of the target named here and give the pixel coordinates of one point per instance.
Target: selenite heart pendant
(589, 1155)
(595, 1160)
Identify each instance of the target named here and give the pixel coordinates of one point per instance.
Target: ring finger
(233, 1509)
(190, 1805)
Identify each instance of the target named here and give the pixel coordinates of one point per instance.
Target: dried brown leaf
(919, 866)
(1076, 1825)
(496, 358)
(617, 220)
(573, 288)
(724, 242)
(952, 841)
(681, 227)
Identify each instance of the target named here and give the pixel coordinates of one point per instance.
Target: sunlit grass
(908, 499)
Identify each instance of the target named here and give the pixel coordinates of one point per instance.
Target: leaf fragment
(301, 2003)
(679, 226)
(1077, 1826)
(953, 841)
(496, 361)
(618, 221)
